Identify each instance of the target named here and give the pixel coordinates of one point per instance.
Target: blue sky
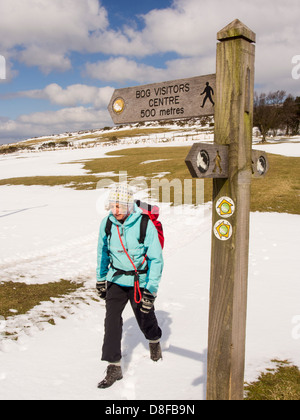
(63, 58)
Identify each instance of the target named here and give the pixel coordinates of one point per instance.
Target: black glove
(147, 302)
(101, 289)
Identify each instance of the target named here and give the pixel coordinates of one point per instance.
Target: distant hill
(113, 135)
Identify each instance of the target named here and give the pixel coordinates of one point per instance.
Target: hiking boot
(155, 351)
(113, 374)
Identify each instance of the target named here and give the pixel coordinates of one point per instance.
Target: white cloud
(71, 96)
(53, 122)
(71, 117)
(43, 33)
(30, 22)
(63, 116)
(189, 28)
(121, 69)
(46, 31)
(47, 61)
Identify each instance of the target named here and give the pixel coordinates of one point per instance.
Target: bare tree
(267, 111)
(289, 115)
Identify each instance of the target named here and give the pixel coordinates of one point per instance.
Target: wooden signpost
(208, 161)
(212, 161)
(229, 260)
(232, 163)
(185, 98)
(260, 164)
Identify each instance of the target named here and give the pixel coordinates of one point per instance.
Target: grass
(76, 182)
(125, 133)
(279, 384)
(279, 191)
(19, 298)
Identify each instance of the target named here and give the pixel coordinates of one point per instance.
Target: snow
(285, 149)
(54, 163)
(61, 163)
(50, 233)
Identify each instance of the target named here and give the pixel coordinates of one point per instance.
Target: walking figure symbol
(208, 91)
(218, 161)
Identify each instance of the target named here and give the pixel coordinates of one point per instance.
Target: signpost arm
(229, 265)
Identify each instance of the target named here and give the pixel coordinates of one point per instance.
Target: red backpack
(152, 213)
(149, 212)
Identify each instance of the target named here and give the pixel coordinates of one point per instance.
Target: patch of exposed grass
(279, 191)
(279, 384)
(125, 133)
(19, 298)
(130, 160)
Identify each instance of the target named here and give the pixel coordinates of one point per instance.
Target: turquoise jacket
(130, 234)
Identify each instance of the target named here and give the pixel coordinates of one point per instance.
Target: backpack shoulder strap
(143, 228)
(108, 228)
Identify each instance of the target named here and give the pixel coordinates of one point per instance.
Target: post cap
(236, 29)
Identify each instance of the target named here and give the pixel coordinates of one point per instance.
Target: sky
(60, 60)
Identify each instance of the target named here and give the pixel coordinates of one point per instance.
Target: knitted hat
(122, 194)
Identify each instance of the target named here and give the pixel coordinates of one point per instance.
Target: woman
(127, 270)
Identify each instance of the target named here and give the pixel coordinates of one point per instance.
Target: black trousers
(116, 299)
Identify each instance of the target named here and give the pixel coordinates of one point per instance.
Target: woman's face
(120, 211)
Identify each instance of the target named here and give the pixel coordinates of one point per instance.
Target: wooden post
(230, 238)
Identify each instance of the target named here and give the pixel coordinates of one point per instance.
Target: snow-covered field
(50, 233)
